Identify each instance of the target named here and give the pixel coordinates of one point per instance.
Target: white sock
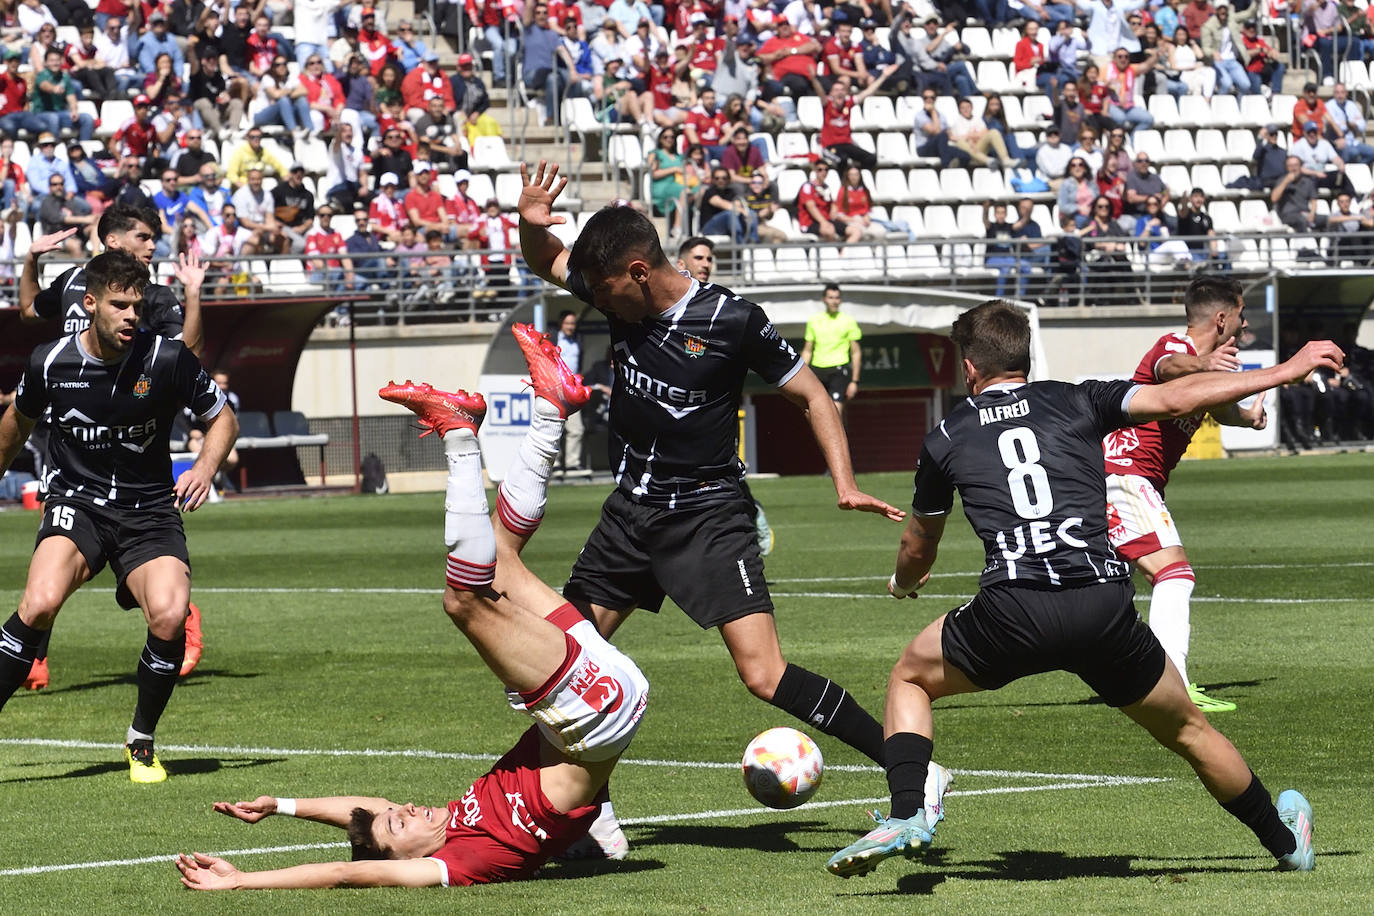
(131, 736)
(1169, 612)
(467, 530)
(521, 498)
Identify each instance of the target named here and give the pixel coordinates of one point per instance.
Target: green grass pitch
(325, 639)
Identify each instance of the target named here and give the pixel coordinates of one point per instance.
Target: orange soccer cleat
(38, 675)
(439, 411)
(195, 641)
(550, 377)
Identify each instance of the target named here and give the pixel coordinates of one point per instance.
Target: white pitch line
(627, 822)
(964, 596)
(426, 754)
(975, 573)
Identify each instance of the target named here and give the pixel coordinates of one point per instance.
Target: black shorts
(1093, 631)
(836, 381)
(124, 538)
(707, 560)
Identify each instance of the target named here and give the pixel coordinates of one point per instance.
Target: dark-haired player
(1139, 459)
(113, 390)
(678, 523)
(122, 227)
(1053, 595)
(586, 698)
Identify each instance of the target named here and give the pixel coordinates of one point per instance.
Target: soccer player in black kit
(122, 227)
(678, 523)
(1054, 596)
(114, 390)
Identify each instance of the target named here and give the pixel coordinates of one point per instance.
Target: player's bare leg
(1171, 718)
(56, 571)
(162, 588)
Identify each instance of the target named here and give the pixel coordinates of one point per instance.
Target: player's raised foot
(938, 781)
(604, 840)
(195, 640)
(1208, 704)
(1296, 814)
(38, 675)
(894, 836)
(439, 411)
(144, 767)
(550, 377)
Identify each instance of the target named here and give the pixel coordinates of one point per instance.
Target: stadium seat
(939, 221)
(1178, 146)
(1176, 179)
(1011, 107)
(1165, 111)
(1359, 175)
(1229, 173)
(1035, 112)
(580, 118)
(979, 42)
(955, 186)
(23, 238)
(1004, 42)
(1040, 215)
(508, 188)
(770, 154)
(623, 151)
(794, 148)
(895, 149)
(1240, 145)
(881, 115)
(789, 183)
(1225, 218)
(890, 187)
(489, 154)
(1354, 74)
(1255, 215)
(1194, 111)
(866, 142)
(990, 184)
(1254, 112)
(924, 184)
(924, 261)
(1281, 109)
(810, 113)
(480, 188)
(114, 114)
(1207, 177)
(970, 220)
(1210, 144)
(255, 431)
(992, 77)
(1225, 110)
(907, 106)
(911, 216)
(1148, 141)
(793, 261)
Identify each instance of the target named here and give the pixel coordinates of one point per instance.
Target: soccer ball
(782, 768)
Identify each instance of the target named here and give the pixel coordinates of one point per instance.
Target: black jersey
(160, 313)
(111, 420)
(1026, 460)
(674, 416)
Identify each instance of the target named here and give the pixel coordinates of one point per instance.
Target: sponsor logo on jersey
(599, 691)
(693, 346)
(646, 384)
(95, 435)
(73, 385)
(1120, 444)
(1039, 537)
(1002, 412)
(143, 386)
(470, 814)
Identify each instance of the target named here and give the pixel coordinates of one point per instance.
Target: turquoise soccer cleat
(1296, 814)
(894, 836)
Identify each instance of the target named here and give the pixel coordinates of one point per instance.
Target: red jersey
(704, 53)
(1151, 450)
(387, 213)
(14, 94)
(1097, 96)
(503, 828)
(1114, 190)
(376, 47)
(846, 53)
(835, 127)
(852, 201)
(320, 242)
(429, 207)
(496, 233)
(818, 195)
(661, 85)
(135, 138)
(261, 50)
(418, 87)
(463, 209)
(795, 63)
(709, 127)
(558, 11)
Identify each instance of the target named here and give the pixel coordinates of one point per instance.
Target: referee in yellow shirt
(832, 349)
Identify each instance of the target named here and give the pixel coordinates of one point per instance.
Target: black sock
(828, 706)
(18, 643)
(158, 669)
(1254, 809)
(45, 637)
(908, 762)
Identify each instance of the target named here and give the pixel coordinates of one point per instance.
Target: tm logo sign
(510, 409)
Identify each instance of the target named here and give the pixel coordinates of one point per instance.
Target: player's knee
(459, 604)
(38, 608)
(167, 617)
(760, 678)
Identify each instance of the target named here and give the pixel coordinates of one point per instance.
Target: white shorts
(1138, 522)
(592, 706)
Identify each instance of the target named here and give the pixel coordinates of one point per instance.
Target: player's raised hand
(858, 501)
(200, 872)
(1255, 414)
(250, 812)
(190, 271)
(193, 487)
(537, 196)
(1224, 358)
(1315, 354)
(51, 242)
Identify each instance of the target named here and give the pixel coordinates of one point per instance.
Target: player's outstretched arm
(916, 554)
(1224, 358)
(1205, 390)
(1252, 417)
(334, 810)
(209, 873)
(542, 250)
(193, 486)
(14, 432)
(191, 272)
(28, 278)
(807, 392)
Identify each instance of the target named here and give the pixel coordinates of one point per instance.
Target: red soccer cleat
(439, 411)
(38, 675)
(550, 377)
(195, 641)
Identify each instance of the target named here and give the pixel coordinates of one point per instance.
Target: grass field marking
(964, 596)
(811, 580)
(151, 860)
(625, 822)
(422, 753)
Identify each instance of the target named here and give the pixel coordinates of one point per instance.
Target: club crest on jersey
(143, 386)
(693, 346)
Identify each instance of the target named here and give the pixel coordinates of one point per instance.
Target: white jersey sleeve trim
(791, 373)
(443, 869)
(1126, 399)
